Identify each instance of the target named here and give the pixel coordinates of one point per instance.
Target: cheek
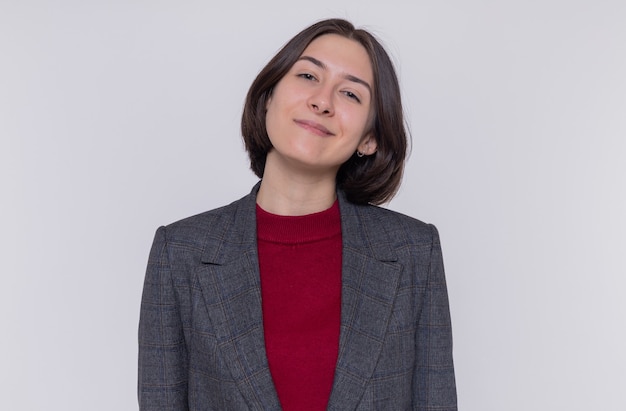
(359, 123)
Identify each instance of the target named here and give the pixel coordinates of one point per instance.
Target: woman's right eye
(307, 76)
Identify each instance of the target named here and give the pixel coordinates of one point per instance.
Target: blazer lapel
(230, 283)
(370, 276)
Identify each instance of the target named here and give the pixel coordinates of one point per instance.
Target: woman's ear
(368, 145)
(269, 98)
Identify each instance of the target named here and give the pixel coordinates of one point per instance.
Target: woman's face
(319, 112)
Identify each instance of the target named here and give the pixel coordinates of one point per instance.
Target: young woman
(304, 295)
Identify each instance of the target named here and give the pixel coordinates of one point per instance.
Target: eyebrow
(349, 77)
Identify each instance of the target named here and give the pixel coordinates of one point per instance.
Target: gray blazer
(201, 327)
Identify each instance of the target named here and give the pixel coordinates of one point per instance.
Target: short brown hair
(371, 179)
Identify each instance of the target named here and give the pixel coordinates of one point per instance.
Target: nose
(321, 102)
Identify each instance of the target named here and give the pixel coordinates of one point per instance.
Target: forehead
(341, 54)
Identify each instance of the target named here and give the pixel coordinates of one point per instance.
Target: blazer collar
(234, 232)
(230, 284)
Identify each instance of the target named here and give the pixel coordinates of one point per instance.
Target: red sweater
(300, 266)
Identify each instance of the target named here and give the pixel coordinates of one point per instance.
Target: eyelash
(349, 94)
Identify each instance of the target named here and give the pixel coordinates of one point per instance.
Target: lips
(315, 128)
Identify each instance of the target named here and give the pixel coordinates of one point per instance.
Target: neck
(285, 192)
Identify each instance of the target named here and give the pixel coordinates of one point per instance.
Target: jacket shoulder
(402, 228)
(196, 230)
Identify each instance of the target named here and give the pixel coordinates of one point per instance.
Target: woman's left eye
(352, 96)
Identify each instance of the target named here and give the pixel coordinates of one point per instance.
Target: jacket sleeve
(162, 377)
(435, 387)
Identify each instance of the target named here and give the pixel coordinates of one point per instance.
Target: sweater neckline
(298, 229)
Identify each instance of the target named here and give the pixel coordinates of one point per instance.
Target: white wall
(119, 116)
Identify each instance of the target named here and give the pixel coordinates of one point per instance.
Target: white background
(119, 116)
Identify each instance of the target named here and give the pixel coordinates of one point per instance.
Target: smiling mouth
(314, 127)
